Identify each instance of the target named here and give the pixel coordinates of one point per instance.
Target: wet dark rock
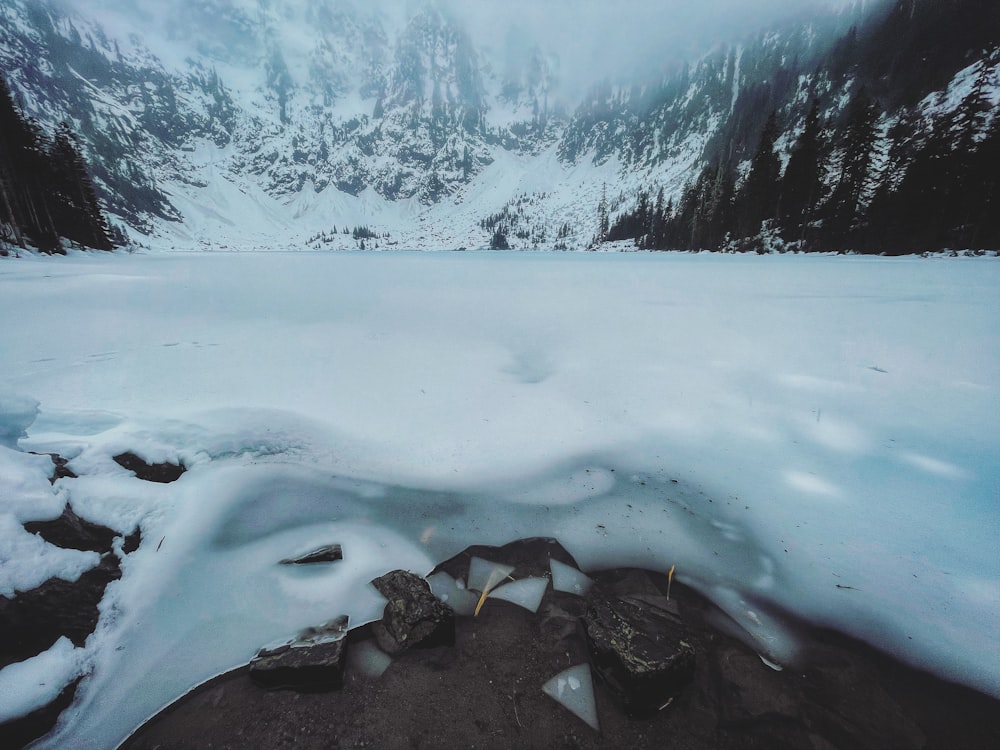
(312, 661)
(162, 472)
(413, 617)
(32, 621)
(20, 732)
(324, 554)
(72, 532)
(131, 543)
(640, 651)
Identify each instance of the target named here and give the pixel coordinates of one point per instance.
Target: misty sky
(593, 39)
(597, 38)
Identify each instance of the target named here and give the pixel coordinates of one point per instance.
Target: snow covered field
(816, 433)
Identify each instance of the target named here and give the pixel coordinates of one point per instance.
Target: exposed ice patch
(574, 689)
(527, 592)
(569, 579)
(448, 590)
(366, 658)
(485, 575)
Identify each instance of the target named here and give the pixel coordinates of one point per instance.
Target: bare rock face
(639, 651)
(312, 661)
(413, 616)
(163, 472)
(72, 532)
(325, 554)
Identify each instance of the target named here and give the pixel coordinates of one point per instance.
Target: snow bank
(34, 683)
(16, 415)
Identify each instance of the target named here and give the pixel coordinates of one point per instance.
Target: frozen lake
(815, 433)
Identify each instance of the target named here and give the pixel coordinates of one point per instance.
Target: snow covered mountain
(275, 123)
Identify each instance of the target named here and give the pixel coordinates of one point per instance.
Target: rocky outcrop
(640, 651)
(312, 661)
(72, 532)
(325, 554)
(413, 616)
(161, 472)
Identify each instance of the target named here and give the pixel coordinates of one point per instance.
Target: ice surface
(16, 415)
(567, 578)
(574, 689)
(485, 575)
(779, 428)
(526, 592)
(36, 682)
(448, 590)
(367, 659)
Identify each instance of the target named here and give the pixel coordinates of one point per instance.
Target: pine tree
(758, 198)
(802, 182)
(81, 217)
(603, 220)
(850, 197)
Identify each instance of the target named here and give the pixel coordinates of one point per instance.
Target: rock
(639, 651)
(413, 616)
(326, 553)
(312, 661)
(73, 532)
(163, 472)
(131, 543)
(33, 620)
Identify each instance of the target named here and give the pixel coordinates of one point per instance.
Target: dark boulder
(413, 616)
(640, 651)
(72, 532)
(312, 661)
(163, 472)
(324, 554)
(32, 621)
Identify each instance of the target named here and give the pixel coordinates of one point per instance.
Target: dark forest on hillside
(46, 193)
(881, 175)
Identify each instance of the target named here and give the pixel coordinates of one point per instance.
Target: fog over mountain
(592, 39)
(429, 124)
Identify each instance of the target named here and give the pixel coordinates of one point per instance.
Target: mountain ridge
(295, 123)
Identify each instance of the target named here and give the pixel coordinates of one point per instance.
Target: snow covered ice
(812, 433)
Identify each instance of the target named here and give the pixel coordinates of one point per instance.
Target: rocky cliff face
(271, 122)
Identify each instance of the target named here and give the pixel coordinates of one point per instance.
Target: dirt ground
(485, 692)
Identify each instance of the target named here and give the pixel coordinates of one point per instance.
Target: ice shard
(527, 592)
(485, 575)
(567, 578)
(452, 593)
(574, 689)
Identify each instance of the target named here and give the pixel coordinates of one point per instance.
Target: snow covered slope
(281, 124)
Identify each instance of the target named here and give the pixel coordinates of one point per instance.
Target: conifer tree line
(46, 194)
(846, 186)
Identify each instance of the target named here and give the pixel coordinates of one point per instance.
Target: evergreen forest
(46, 194)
